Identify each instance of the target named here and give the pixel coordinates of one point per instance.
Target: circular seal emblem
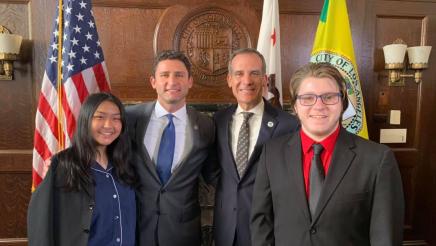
(208, 37)
(352, 118)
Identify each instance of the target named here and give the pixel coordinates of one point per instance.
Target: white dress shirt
(254, 122)
(155, 128)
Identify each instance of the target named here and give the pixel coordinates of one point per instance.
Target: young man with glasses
(323, 185)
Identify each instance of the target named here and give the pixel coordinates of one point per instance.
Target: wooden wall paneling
(296, 42)
(150, 4)
(42, 21)
(425, 207)
(296, 6)
(408, 21)
(15, 182)
(16, 129)
(126, 36)
(398, 98)
(15, 190)
(15, 104)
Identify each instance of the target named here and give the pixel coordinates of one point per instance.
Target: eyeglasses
(327, 98)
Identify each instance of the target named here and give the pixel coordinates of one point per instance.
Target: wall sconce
(9, 50)
(395, 64)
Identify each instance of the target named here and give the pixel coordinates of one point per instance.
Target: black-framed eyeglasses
(326, 98)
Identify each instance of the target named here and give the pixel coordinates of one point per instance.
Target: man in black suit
(171, 143)
(323, 185)
(241, 131)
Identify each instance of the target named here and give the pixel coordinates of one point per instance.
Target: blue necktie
(166, 151)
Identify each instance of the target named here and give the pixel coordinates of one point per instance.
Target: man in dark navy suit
(168, 205)
(242, 129)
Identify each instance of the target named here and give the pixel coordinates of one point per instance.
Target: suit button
(86, 230)
(163, 191)
(157, 212)
(312, 231)
(234, 209)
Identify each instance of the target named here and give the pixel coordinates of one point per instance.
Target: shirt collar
(257, 110)
(160, 111)
(97, 167)
(328, 143)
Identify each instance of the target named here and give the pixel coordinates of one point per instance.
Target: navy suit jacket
(361, 203)
(169, 214)
(234, 194)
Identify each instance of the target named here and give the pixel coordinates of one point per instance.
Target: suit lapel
(340, 162)
(140, 128)
(267, 127)
(227, 128)
(293, 162)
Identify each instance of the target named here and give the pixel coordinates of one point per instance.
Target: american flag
(83, 72)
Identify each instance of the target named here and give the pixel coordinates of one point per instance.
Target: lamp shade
(10, 43)
(419, 54)
(394, 53)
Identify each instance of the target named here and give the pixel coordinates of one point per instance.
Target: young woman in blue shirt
(87, 196)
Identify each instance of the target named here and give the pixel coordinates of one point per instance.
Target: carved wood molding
(13, 241)
(15, 1)
(131, 4)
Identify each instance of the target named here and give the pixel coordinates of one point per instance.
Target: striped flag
(268, 45)
(70, 76)
(333, 44)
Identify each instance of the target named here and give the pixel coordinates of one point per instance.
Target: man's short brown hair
(317, 70)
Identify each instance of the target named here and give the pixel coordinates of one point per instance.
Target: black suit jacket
(361, 203)
(170, 215)
(234, 195)
(59, 217)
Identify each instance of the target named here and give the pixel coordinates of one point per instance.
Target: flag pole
(59, 78)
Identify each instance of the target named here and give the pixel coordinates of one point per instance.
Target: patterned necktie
(166, 151)
(243, 144)
(316, 178)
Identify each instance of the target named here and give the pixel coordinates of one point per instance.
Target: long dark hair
(76, 161)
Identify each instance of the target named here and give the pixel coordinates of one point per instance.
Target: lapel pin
(195, 127)
(270, 124)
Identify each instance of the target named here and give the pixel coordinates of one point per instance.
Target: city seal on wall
(208, 37)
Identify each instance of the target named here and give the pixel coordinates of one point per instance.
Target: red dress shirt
(326, 155)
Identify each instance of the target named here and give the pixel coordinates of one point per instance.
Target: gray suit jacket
(361, 203)
(169, 215)
(234, 195)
